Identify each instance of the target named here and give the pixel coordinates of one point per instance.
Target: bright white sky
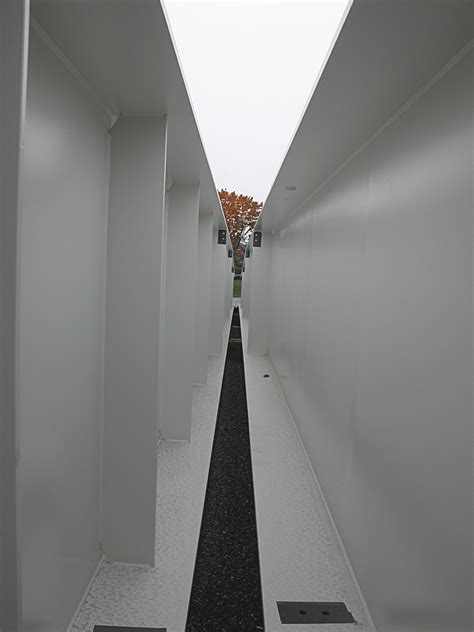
(250, 68)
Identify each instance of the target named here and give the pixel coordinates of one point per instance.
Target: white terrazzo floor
(128, 595)
(299, 554)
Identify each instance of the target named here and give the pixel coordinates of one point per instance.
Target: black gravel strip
(226, 594)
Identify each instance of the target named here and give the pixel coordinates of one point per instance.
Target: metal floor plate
(115, 628)
(314, 612)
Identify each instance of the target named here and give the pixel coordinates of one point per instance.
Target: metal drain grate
(314, 612)
(115, 628)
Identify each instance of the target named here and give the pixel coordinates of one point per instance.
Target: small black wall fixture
(257, 239)
(221, 237)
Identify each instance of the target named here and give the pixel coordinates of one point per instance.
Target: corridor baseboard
(83, 598)
(334, 532)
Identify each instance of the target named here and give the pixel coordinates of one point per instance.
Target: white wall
(371, 338)
(61, 316)
(203, 296)
(13, 54)
(179, 312)
(258, 300)
(246, 285)
(229, 287)
(220, 268)
(134, 280)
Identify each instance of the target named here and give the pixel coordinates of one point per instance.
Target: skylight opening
(251, 68)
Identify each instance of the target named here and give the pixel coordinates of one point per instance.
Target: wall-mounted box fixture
(222, 237)
(229, 254)
(257, 239)
(247, 254)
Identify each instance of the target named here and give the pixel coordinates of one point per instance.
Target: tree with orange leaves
(241, 214)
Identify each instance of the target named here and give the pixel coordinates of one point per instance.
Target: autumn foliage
(241, 213)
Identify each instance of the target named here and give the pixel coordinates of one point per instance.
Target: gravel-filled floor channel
(226, 594)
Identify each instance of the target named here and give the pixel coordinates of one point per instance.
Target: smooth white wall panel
(203, 296)
(134, 277)
(229, 285)
(179, 312)
(61, 318)
(218, 295)
(371, 337)
(13, 58)
(246, 283)
(259, 297)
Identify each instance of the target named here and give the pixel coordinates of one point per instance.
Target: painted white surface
(300, 555)
(246, 285)
(259, 297)
(134, 267)
(99, 38)
(218, 295)
(136, 596)
(13, 56)
(61, 315)
(203, 297)
(229, 287)
(371, 339)
(385, 52)
(179, 312)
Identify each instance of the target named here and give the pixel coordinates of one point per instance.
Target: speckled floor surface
(299, 555)
(226, 592)
(128, 595)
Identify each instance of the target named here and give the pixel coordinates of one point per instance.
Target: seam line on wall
(103, 348)
(408, 104)
(22, 100)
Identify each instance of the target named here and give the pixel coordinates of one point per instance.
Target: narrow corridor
(351, 480)
(300, 556)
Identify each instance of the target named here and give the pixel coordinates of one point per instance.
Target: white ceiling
(386, 51)
(124, 50)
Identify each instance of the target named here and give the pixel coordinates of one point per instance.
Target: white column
(229, 285)
(134, 273)
(246, 283)
(179, 312)
(14, 16)
(203, 296)
(259, 300)
(218, 291)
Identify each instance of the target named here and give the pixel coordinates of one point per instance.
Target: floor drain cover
(116, 628)
(314, 612)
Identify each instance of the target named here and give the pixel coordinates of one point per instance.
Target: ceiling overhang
(386, 52)
(124, 50)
